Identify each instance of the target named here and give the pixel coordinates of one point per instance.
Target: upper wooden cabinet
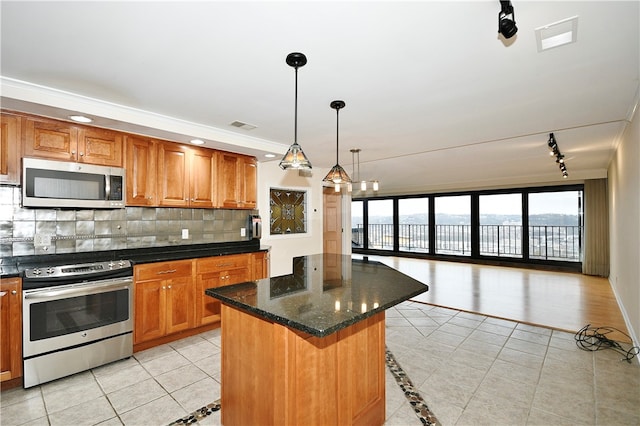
(10, 132)
(186, 176)
(237, 181)
(10, 328)
(141, 171)
(59, 140)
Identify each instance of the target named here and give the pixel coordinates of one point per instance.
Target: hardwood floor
(558, 300)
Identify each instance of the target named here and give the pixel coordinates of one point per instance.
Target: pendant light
(355, 158)
(337, 175)
(295, 158)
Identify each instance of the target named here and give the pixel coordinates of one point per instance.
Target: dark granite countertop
(14, 266)
(324, 294)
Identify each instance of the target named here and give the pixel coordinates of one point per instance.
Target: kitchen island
(309, 348)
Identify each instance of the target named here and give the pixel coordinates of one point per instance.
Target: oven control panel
(70, 271)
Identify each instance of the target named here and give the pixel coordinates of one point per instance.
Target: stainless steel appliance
(47, 183)
(75, 317)
(255, 226)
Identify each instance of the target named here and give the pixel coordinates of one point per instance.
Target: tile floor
(470, 369)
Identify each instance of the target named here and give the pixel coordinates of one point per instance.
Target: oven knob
(111, 264)
(50, 270)
(37, 271)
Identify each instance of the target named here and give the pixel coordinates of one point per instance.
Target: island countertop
(324, 294)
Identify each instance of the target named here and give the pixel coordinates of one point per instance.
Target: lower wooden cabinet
(163, 299)
(10, 329)
(170, 297)
(216, 272)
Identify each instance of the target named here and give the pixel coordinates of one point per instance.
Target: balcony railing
(545, 242)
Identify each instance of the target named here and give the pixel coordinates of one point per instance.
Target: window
(555, 230)
(501, 225)
(453, 225)
(413, 220)
(357, 224)
(380, 225)
(288, 211)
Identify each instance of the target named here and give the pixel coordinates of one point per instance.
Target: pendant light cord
(337, 132)
(295, 122)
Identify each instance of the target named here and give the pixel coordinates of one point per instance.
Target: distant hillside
(548, 219)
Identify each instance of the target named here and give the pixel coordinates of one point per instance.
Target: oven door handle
(82, 290)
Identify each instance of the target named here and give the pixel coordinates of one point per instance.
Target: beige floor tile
(23, 411)
(199, 350)
(128, 398)
(493, 411)
(58, 399)
(198, 394)
(180, 377)
(121, 379)
(161, 411)
(87, 413)
(168, 362)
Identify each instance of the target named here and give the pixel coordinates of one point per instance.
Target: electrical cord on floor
(595, 339)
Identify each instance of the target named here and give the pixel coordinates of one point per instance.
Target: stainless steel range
(75, 317)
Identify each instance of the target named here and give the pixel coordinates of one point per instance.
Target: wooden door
(173, 175)
(141, 171)
(332, 221)
(203, 175)
(10, 329)
(51, 139)
(207, 308)
(100, 146)
(10, 132)
(149, 311)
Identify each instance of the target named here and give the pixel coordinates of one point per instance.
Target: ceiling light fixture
(555, 151)
(506, 20)
(197, 141)
(295, 158)
(364, 184)
(80, 118)
(337, 175)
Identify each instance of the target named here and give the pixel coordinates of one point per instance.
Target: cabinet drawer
(162, 270)
(222, 263)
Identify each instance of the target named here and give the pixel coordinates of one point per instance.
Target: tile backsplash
(29, 231)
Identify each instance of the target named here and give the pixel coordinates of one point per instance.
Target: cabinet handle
(170, 271)
(14, 292)
(220, 265)
(81, 154)
(73, 152)
(3, 293)
(169, 287)
(164, 288)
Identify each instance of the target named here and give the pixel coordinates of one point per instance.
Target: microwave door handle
(107, 187)
(83, 290)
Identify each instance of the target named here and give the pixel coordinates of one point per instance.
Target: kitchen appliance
(75, 317)
(255, 226)
(47, 183)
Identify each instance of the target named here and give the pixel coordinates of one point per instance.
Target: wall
(624, 216)
(285, 247)
(132, 227)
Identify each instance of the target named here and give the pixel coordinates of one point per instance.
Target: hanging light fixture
(507, 20)
(364, 184)
(337, 175)
(295, 158)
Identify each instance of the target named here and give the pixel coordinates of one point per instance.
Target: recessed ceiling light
(197, 141)
(270, 155)
(80, 118)
(557, 34)
(243, 125)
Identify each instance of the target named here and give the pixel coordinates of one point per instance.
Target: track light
(506, 20)
(555, 151)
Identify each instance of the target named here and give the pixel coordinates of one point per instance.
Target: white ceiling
(435, 98)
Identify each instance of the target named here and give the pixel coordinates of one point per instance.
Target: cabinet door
(207, 308)
(149, 316)
(99, 146)
(260, 267)
(249, 179)
(228, 180)
(173, 175)
(203, 173)
(180, 315)
(10, 329)
(141, 171)
(56, 140)
(10, 149)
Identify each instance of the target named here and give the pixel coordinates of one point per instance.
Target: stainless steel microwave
(61, 184)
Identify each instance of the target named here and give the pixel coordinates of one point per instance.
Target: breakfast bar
(309, 347)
